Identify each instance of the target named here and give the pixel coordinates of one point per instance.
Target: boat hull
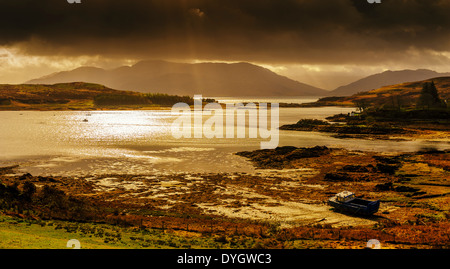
(360, 207)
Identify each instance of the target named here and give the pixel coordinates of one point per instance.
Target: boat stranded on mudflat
(348, 202)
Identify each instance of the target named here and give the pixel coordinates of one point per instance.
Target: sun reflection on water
(113, 126)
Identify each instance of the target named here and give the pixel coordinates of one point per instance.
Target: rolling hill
(209, 79)
(384, 79)
(403, 94)
(79, 96)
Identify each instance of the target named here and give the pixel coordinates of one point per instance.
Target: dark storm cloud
(308, 31)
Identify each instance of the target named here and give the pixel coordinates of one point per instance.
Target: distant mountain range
(221, 79)
(385, 79)
(208, 79)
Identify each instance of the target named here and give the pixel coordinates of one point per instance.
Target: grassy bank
(19, 233)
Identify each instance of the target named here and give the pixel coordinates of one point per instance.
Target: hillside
(77, 96)
(403, 94)
(383, 79)
(208, 79)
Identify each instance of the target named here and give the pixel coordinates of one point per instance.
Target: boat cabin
(346, 201)
(345, 196)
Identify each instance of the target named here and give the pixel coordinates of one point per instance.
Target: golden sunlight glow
(16, 67)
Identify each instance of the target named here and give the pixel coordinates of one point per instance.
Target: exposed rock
(7, 169)
(281, 157)
(406, 189)
(356, 168)
(386, 168)
(25, 176)
(342, 176)
(389, 186)
(384, 186)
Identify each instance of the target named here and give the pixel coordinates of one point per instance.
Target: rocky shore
(391, 125)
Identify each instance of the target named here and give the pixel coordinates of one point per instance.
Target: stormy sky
(325, 43)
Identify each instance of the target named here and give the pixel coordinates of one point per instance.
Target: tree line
(141, 99)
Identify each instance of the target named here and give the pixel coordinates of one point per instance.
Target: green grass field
(18, 233)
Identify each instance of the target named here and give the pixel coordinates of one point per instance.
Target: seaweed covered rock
(281, 157)
(384, 186)
(25, 176)
(386, 160)
(387, 169)
(389, 186)
(357, 168)
(339, 176)
(387, 165)
(316, 151)
(305, 125)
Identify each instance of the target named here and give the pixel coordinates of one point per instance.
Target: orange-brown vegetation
(413, 189)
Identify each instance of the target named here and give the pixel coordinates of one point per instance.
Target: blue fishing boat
(348, 202)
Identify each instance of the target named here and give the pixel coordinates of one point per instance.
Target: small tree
(429, 96)
(432, 90)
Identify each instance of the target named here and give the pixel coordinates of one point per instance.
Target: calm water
(61, 143)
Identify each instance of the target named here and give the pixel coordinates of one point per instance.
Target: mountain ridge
(207, 78)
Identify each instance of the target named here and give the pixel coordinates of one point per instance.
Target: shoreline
(290, 197)
(377, 126)
(87, 108)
